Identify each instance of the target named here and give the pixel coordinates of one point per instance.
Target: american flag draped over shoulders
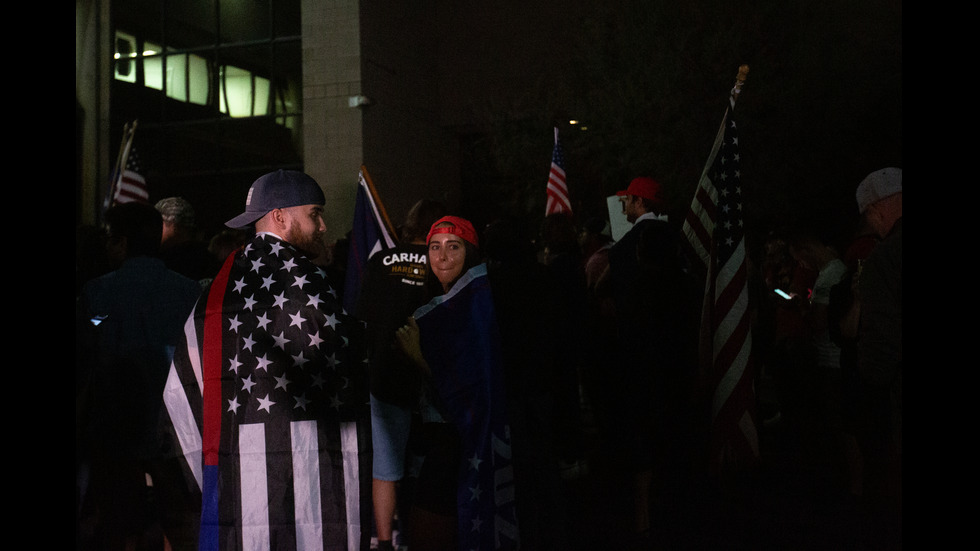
(714, 228)
(461, 343)
(557, 190)
(267, 398)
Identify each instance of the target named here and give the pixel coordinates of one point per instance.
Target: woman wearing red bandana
(465, 494)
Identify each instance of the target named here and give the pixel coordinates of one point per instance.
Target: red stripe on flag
(703, 221)
(557, 189)
(713, 230)
(725, 302)
(739, 420)
(729, 350)
(211, 364)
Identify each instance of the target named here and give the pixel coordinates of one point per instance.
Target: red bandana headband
(460, 226)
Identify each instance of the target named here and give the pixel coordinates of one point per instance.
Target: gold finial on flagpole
(743, 73)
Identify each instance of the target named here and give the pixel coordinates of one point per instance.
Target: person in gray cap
(268, 391)
(180, 248)
(178, 216)
(879, 198)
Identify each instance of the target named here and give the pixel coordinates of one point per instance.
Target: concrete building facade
(394, 87)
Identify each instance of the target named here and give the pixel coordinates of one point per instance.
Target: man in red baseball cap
(645, 280)
(644, 195)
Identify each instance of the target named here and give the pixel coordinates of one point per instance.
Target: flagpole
(743, 74)
(114, 174)
(705, 337)
(377, 201)
(125, 145)
(724, 352)
(728, 393)
(690, 229)
(557, 198)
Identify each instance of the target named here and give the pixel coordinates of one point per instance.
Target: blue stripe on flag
(209, 510)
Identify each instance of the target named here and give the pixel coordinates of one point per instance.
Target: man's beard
(309, 244)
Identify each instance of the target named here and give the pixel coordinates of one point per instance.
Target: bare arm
(407, 337)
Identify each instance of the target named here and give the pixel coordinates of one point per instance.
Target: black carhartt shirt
(393, 287)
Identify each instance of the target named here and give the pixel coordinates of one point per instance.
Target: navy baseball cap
(277, 190)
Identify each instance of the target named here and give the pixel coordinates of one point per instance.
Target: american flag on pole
(372, 231)
(557, 186)
(267, 399)
(131, 185)
(714, 228)
(126, 183)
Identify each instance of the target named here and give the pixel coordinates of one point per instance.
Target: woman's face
(447, 254)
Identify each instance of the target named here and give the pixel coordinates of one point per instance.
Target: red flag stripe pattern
(557, 186)
(715, 228)
(131, 185)
(700, 220)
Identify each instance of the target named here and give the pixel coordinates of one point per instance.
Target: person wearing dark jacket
(128, 324)
(879, 361)
(649, 290)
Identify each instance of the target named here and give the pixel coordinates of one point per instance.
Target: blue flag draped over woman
(461, 343)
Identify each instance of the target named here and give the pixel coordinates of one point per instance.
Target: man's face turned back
(304, 228)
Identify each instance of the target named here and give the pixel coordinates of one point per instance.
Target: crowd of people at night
(497, 387)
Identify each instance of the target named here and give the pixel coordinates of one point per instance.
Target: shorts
(390, 426)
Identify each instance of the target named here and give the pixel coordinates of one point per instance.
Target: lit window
(242, 93)
(187, 75)
(152, 67)
(125, 57)
(199, 79)
(177, 77)
(260, 106)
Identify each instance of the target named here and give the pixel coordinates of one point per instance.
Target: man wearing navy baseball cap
(269, 389)
(288, 204)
